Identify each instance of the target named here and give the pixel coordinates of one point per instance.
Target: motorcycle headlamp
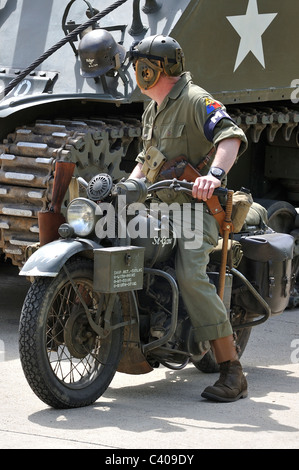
(81, 216)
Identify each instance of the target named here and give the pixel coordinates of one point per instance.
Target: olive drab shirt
(189, 122)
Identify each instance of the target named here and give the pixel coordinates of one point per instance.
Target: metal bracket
(102, 332)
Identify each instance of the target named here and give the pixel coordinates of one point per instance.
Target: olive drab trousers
(207, 312)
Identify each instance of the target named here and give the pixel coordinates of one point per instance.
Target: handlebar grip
(220, 191)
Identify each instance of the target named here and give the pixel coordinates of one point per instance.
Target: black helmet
(99, 53)
(156, 54)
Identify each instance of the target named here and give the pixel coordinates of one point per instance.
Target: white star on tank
(250, 28)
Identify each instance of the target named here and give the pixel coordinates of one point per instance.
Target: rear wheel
(281, 215)
(66, 363)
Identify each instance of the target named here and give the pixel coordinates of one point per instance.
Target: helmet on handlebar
(154, 55)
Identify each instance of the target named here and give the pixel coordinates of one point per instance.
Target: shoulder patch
(212, 105)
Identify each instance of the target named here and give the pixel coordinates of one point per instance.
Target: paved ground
(161, 410)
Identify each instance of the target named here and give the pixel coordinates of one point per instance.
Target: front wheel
(65, 362)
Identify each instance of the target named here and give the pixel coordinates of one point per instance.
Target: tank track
(277, 129)
(279, 123)
(27, 161)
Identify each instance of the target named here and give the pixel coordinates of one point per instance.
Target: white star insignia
(250, 28)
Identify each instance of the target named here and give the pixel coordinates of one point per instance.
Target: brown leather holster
(180, 169)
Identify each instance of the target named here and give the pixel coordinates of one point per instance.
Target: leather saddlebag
(267, 264)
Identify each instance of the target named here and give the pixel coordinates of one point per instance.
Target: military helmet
(99, 53)
(156, 54)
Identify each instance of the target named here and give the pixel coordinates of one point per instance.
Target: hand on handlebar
(183, 186)
(204, 187)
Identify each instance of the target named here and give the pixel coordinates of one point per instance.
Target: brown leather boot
(231, 384)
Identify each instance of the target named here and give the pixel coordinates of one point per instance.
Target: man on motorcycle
(183, 119)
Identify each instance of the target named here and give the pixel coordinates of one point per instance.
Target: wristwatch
(217, 172)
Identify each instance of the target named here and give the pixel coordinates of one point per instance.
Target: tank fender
(49, 259)
(14, 105)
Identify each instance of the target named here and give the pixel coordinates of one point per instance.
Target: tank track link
(277, 129)
(280, 124)
(27, 161)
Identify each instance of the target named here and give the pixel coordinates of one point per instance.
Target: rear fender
(49, 259)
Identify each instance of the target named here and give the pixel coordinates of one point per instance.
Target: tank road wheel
(65, 362)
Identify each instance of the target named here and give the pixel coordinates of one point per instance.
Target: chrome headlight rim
(81, 216)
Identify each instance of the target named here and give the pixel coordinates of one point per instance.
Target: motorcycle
(102, 300)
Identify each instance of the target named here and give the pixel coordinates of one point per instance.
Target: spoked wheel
(66, 363)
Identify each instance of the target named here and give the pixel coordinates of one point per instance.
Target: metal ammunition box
(118, 269)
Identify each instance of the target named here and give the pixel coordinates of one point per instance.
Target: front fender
(49, 259)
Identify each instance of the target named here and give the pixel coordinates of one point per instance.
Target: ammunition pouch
(153, 162)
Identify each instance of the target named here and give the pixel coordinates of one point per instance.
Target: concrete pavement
(161, 410)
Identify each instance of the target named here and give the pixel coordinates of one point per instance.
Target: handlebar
(136, 190)
(184, 186)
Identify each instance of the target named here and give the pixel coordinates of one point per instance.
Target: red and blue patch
(212, 105)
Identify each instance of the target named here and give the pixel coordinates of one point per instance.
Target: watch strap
(217, 172)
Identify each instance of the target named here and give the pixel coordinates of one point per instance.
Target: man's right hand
(204, 186)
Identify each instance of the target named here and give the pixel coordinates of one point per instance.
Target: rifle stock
(62, 178)
(49, 221)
